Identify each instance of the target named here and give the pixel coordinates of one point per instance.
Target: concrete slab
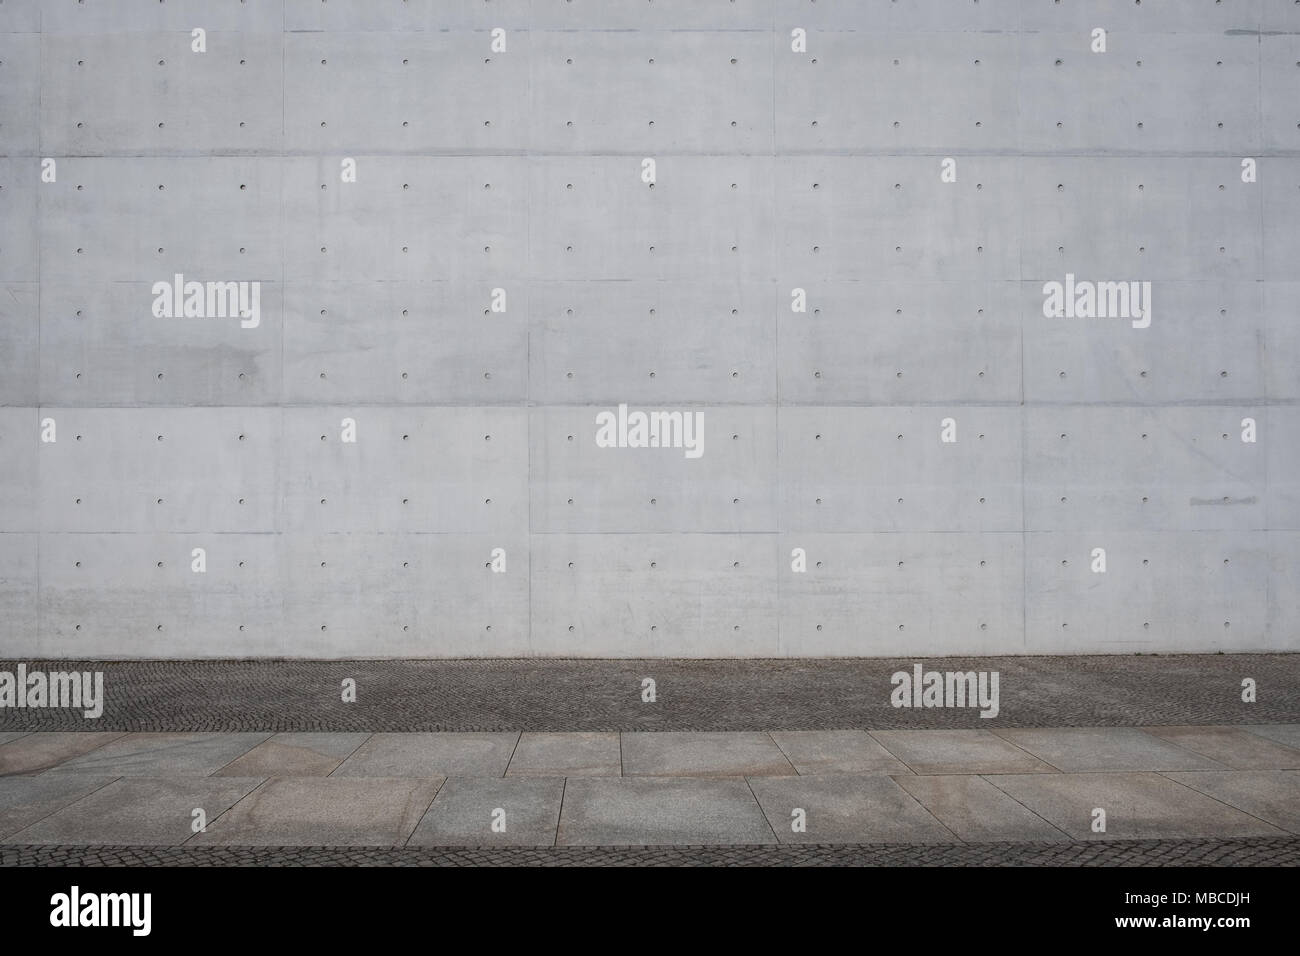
(1271, 795)
(844, 808)
(702, 755)
(836, 751)
(1232, 747)
(159, 755)
(958, 751)
(977, 811)
(38, 752)
(12, 735)
(139, 811)
(1286, 734)
(25, 800)
(1139, 806)
(295, 755)
(567, 755)
(431, 755)
(465, 812)
(325, 811)
(660, 812)
(1080, 749)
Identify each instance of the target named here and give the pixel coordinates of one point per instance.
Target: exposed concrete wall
(522, 170)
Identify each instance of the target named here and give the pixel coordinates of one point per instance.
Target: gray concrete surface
(701, 789)
(520, 169)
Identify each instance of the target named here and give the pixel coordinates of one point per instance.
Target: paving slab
(325, 811)
(466, 809)
(958, 751)
(977, 811)
(703, 755)
(1271, 795)
(38, 752)
(12, 735)
(295, 755)
(1138, 805)
(431, 755)
(1286, 734)
(567, 755)
(846, 808)
(1233, 747)
(25, 800)
(163, 755)
(1080, 749)
(660, 811)
(139, 811)
(836, 751)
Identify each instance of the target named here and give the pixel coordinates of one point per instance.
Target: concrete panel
(1123, 219)
(410, 469)
(101, 344)
(889, 469)
(405, 343)
(951, 342)
(639, 108)
(1190, 592)
(1182, 468)
(19, 336)
(1186, 91)
(19, 181)
(161, 469)
(651, 343)
(417, 218)
(733, 242)
(654, 595)
(20, 92)
(404, 595)
(730, 486)
(18, 561)
(20, 446)
(20, 16)
(910, 94)
(1198, 331)
(124, 595)
(1280, 182)
(936, 594)
(148, 92)
(107, 220)
(890, 217)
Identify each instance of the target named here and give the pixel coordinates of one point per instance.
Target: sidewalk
(916, 787)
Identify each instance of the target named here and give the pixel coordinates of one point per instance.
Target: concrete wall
(521, 169)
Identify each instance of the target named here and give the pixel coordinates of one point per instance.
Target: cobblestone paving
(569, 695)
(1255, 852)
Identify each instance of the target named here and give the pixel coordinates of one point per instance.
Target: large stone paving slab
(836, 751)
(1232, 747)
(141, 811)
(1139, 806)
(325, 811)
(660, 811)
(12, 735)
(1285, 734)
(1079, 749)
(431, 755)
(164, 755)
(703, 755)
(958, 751)
(526, 811)
(567, 755)
(36, 753)
(295, 755)
(977, 811)
(1271, 795)
(25, 800)
(844, 808)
